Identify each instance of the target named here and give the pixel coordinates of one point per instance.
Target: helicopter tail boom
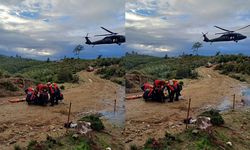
(87, 40)
(205, 37)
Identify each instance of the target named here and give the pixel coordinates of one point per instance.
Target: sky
(159, 27)
(53, 28)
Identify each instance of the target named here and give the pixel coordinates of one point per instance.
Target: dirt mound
(14, 86)
(135, 80)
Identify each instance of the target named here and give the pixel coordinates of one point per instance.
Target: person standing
(51, 93)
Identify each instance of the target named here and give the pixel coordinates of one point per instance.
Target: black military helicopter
(226, 36)
(111, 38)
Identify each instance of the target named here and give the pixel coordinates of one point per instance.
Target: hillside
(16, 69)
(143, 68)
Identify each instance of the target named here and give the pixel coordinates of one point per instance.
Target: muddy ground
(153, 119)
(21, 123)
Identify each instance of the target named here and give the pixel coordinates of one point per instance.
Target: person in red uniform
(171, 90)
(57, 92)
(51, 93)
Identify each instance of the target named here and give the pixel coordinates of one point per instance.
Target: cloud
(177, 24)
(53, 28)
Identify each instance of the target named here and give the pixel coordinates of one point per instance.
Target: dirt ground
(20, 123)
(153, 119)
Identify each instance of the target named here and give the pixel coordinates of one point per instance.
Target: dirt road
(153, 119)
(20, 123)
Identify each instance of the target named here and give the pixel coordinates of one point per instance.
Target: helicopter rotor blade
(108, 30)
(221, 33)
(223, 29)
(242, 28)
(204, 33)
(104, 35)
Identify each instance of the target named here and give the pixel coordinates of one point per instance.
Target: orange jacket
(51, 90)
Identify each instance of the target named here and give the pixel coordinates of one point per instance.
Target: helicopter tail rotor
(87, 39)
(205, 37)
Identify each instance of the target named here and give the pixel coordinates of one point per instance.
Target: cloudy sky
(172, 26)
(52, 28)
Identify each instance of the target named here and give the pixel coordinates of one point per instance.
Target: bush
(96, 123)
(8, 85)
(216, 118)
(133, 147)
(183, 73)
(64, 76)
(76, 78)
(62, 87)
(17, 147)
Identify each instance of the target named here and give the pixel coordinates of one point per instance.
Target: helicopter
(111, 38)
(228, 35)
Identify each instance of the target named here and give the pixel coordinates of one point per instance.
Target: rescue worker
(30, 95)
(51, 93)
(57, 92)
(171, 90)
(42, 94)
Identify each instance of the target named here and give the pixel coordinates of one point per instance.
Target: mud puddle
(116, 113)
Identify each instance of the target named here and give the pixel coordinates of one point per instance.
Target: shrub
(8, 85)
(62, 87)
(216, 118)
(96, 123)
(133, 147)
(17, 147)
(64, 76)
(76, 78)
(183, 73)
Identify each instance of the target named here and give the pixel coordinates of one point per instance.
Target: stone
(75, 136)
(229, 143)
(195, 131)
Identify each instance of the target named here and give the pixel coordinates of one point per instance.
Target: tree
(48, 60)
(196, 46)
(217, 53)
(166, 56)
(99, 57)
(78, 49)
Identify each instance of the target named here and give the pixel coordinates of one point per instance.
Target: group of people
(162, 90)
(173, 87)
(43, 94)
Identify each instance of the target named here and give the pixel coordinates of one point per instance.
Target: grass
(214, 138)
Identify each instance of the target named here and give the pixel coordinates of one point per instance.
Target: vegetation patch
(216, 118)
(96, 123)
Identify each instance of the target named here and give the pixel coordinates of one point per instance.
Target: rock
(229, 143)
(12, 142)
(203, 122)
(128, 141)
(52, 127)
(195, 131)
(73, 125)
(83, 127)
(148, 125)
(75, 136)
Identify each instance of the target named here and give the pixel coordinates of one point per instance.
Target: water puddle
(227, 103)
(116, 115)
(246, 96)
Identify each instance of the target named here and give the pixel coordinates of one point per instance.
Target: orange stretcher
(133, 97)
(17, 100)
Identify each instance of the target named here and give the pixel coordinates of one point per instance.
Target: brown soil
(20, 123)
(153, 119)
